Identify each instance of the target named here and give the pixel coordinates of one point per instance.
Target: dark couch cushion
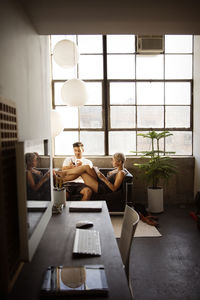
(113, 200)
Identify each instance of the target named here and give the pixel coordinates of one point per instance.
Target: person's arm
(68, 164)
(31, 182)
(68, 167)
(118, 180)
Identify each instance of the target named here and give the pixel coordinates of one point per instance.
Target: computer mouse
(84, 224)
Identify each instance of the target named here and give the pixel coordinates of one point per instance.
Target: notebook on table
(87, 206)
(75, 280)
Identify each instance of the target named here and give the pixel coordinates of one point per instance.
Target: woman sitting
(95, 179)
(37, 182)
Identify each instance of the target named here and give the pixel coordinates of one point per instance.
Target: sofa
(116, 201)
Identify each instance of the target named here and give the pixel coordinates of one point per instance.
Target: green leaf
(158, 166)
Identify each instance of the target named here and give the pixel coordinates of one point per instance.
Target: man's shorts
(74, 187)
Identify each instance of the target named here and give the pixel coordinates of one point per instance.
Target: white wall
(196, 134)
(24, 71)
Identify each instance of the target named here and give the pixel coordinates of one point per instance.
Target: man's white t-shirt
(73, 159)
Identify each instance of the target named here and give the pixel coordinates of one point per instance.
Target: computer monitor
(34, 206)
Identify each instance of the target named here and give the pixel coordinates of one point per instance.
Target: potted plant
(158, 166)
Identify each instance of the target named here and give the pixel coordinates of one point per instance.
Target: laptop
(85, 206)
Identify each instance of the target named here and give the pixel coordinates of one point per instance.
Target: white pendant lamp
(74, 92)
(66, 54)
(57, 124)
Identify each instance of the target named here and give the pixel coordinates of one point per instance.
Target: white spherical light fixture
(57, 124)
(74, 92)
(66, 54)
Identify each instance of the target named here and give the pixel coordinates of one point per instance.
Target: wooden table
(56, 247)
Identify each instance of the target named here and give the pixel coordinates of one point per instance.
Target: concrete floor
(168, 267)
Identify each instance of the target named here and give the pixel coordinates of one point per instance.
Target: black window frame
(106, 128)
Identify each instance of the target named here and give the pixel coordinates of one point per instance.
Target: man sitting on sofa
(78, 185)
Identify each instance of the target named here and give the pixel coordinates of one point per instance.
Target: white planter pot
(59, 197)
(155, 200)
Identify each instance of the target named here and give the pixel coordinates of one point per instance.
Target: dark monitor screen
(37, 163)
(34, 193)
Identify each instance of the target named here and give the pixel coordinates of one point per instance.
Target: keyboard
(87, 242)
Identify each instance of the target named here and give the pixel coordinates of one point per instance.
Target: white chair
(129, 224)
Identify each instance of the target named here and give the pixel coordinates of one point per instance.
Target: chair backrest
(130, 221)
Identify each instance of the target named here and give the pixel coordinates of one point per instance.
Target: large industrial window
(128, 93)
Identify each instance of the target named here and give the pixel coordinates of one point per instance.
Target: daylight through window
(129, 93)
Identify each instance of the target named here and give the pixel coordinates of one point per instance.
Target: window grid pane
(93, 141)
(178, 66)
(180, 142)
(178, 93)
(121, 43)
(91, 67)
(150, 116)
(121, 66)
(150, 93)
(177, 116)
(178, 44)
(122, 92)
(149, 67)
(122, 116)
(91, 117)
(127, 142)
(90, 44)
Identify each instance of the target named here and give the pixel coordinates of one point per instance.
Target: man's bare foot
(58, 182)
(61, 173)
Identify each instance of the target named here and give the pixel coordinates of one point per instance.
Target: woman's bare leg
(69, 177)
(88, 174)
(66, 177)
(78, 171)
(90, 181)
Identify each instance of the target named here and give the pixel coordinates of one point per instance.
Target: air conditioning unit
(150, 44)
